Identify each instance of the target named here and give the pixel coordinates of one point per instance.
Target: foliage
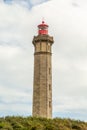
(33, 123)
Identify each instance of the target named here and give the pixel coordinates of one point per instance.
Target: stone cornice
(45, 38)
(38, 53)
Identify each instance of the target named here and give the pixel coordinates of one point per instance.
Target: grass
(33, 123)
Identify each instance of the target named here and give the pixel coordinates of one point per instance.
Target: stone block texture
(42, 86)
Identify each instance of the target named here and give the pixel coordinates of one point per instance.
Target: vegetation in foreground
(32, 123)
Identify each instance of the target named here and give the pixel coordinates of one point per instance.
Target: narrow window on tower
(49, 103)
(49, 70)
(49, 87)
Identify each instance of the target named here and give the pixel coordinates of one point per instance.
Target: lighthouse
(42, 83)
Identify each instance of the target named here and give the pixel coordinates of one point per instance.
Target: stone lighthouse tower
(42, 87)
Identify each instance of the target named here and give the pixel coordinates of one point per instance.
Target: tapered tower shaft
(42, 87)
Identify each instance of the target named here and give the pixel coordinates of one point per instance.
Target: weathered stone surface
(42, 88)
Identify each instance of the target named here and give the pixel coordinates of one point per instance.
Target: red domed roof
(42, 25)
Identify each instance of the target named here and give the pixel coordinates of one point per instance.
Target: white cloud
(68, 26)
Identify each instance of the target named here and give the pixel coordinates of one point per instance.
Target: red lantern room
(43, 28)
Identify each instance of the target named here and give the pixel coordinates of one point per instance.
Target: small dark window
(49, 70)
(49, 87)
(49, 103)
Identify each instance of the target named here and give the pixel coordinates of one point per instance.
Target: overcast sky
(67, 21)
